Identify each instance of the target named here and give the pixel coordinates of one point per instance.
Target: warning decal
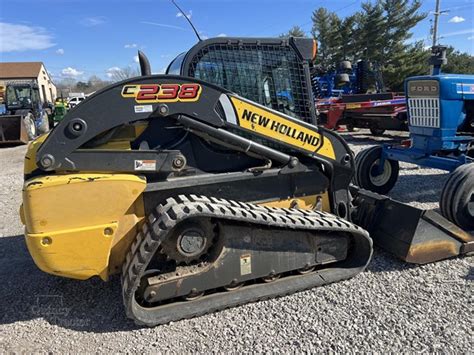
(245, 264)
(145, 165)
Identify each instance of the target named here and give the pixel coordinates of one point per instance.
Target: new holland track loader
(211, 186)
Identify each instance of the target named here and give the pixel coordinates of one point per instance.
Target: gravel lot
(392, 306)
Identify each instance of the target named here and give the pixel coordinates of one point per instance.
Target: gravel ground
(392, 306)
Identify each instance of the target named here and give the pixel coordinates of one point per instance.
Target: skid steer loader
(211, 186)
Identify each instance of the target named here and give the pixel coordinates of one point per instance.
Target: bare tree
(118, 74)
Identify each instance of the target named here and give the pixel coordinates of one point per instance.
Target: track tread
(175, 210)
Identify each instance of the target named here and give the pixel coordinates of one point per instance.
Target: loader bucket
(12, 130)
(412, 234)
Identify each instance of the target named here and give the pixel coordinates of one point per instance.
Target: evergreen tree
(399, 59)
(321, 31)
(346, 48)
(378, 33)
(295, 31)
(458, 63)
(371, 25)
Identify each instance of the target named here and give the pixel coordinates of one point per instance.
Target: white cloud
(112, 71)
(71, 72)
(60, 51)
(131, 45)
(163, 25)
(188, 15)
(457, 19)
(17, 38)
(470, 37)
(135, 59)
(221, 35)
(93, 21)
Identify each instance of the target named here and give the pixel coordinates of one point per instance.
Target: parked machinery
(206, 188)
(441, 124)
(25, 115)
(356, 97)
(60, 110)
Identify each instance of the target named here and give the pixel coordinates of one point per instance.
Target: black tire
(44, 125)
(29, 123)
(376, 131)
(357, 159)
(350, 127)
(457, 197)
(366, 163)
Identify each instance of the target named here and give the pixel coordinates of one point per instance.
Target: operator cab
(272, 72)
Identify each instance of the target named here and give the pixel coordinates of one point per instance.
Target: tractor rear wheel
(457, 198)
(367, 174)
(44, 124)
(29, 123)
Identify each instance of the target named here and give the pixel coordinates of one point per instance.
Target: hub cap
(383, 178)
(191, 243)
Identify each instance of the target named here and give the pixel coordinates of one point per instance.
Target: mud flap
(412, 234)
(12, 130)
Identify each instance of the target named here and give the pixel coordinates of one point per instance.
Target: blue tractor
(441, 125)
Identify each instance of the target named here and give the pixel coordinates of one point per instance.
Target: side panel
(73, 233)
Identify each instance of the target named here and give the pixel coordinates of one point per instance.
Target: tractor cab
(22, 96)
(23, 115)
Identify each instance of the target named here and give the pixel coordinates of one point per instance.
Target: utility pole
(435, 26)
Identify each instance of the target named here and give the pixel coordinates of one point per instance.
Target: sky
(80, 38)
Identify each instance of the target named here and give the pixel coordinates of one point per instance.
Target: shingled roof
(18, 70)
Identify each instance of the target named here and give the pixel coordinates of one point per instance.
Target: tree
(458, 63)
(82, 86)
(118, 74)
(346, 28)
(66, 85)
(370, 25)
(378, 33)
(95, 83)
(295, 31)
(321, 31)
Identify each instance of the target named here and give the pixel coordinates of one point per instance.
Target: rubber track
(174, 211)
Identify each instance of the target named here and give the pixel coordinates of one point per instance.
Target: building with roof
(29, 71)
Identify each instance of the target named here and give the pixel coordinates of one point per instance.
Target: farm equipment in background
(24, 116)
(60, 110)
(346, 79)
(356, 97)
(441, 124)
(210, 187)
(377, 112)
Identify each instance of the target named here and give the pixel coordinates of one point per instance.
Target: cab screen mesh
(271, 75)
